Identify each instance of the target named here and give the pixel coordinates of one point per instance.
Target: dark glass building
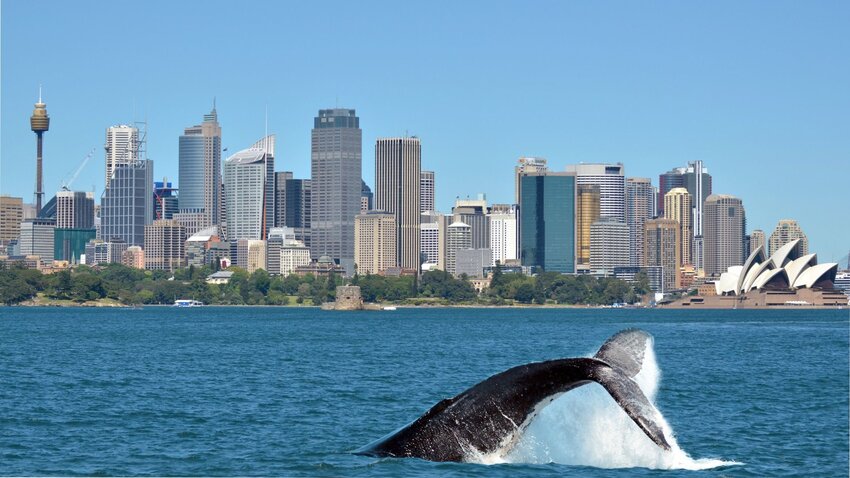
(547, 221)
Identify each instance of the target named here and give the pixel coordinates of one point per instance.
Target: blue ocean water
(292, 391)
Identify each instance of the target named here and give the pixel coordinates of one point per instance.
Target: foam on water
(587, 427)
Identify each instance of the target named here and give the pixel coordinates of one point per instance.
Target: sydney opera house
(786, 278)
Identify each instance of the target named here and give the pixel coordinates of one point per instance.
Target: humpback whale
(491, 416)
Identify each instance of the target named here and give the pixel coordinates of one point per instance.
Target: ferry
(187, 303)
(389, 307)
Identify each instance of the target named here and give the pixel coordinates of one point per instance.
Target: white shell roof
(813, 274)
(780, 257)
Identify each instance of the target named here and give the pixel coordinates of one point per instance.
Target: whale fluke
(625, 351)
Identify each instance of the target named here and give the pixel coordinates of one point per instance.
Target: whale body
(491, 416)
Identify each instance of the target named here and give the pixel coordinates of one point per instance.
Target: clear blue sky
(757, 90)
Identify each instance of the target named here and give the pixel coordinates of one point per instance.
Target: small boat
(390, 307)
(187, 303)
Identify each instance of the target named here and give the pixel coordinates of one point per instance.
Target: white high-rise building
(609, 245)
(429, 240)
(458, 236)
(122, 143)
(612, 186)
(249, 191)
(426, 191)
(503, 233)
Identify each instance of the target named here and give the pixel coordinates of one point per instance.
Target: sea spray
(587, 427)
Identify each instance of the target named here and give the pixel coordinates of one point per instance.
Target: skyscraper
(122, 147)
(661, 248)
(39, 123)
(36, 238)
(757, 238)
(126, 206)
(503, 232)
(786, 231)
(165, 201)
(526, 165)
(299, 198)
(375, 234)
(458, 236)
(11, 215)
(612, 186)
(609, 245)
(280, 207)
(678, 207)
(200, 169)
(547, 221)
(426, 191)
(74, 210)
(398, 168)
(164, 249)
(640, 207)
(587, 212)
(473, 212)
(249, 191)
(724, 228)
(696, 179)
(336, 172)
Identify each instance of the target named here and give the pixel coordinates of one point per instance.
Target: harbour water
(293, 391)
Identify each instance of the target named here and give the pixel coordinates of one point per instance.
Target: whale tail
(623, 354)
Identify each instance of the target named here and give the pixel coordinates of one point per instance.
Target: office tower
(249, 191)
(661, 248)
(280, 207)
(11, 215)
(612, 186)
(458, 237)
(426, 191)
(126, 206)
(36, 238)
(675, 178)
(375, 242)
(299, 208)
(134, 257)
(122, 147)
(587, 212)
(640, 207)
(429, 243)
(366, 197)
(70, 244)
(526, 165)
(165, 202)
(398, 168)
(758, 239)
(724, 226)
(200, 169)
(165, 245)
(503, 233)
(74, 210)
(473, 212)
(678, 207)
(609, 245)
(438, 225)
(547, 221)
(472, 262)
(336, 173)
(39, 123)
(787, 230)
(696, 179)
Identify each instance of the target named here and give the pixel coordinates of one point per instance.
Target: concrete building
(472, 262)
(165, 245)
(609, 246)
(36, 238)
(612, 186)
(134, 257)
(192, 221)
(249, 191)
(526, 165)
(199, 244)
(11, 215)
(503, 233)
(336, 173)
(429, 243)
(426, 191)
(256, 255)
(724, 228)
(74, 210)
(122, 147)
(548, 221)
(661, 248)
(678, 207)
(587, 212)
(200, 169)
(473, 212)
(375, 242)
(458, 237)
(788, 230)
(757, 239)
(293, 254)
(126, 207)
(640, 207)
(398, 168)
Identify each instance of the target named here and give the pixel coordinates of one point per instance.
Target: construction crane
(66, 184)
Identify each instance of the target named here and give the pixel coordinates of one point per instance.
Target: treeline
(134, 286)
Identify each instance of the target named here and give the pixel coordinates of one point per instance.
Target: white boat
(390, 307)
(187, 303)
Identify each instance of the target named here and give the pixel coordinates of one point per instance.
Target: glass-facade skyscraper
(200, 169)
(547, 221)
(126, 207)
(336, 173)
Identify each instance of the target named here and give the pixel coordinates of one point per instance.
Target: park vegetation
(123, 285)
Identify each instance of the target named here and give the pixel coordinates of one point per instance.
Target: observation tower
(39, 122)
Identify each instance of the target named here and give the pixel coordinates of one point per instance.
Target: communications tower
(39, 122)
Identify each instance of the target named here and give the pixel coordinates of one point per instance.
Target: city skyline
(760, 120)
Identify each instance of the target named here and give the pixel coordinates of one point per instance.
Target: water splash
(587, 427)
